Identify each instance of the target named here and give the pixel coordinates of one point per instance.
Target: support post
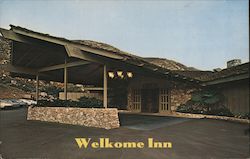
(105, 91)
(37, 88)
(65, 80)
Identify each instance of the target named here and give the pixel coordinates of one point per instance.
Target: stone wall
(179, 97)
(91, 117)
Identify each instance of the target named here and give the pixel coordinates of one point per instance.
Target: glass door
(164, 100)
(136, 100)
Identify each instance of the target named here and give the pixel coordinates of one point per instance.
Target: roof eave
(227, 79)
(62, 41)
(16, 32)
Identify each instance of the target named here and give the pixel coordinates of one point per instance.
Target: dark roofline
(117, 55)
(118, 51)
(239, 72)
(227, 79)
(129, 58)
(16, 28)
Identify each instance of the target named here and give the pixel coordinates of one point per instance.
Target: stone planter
(90, 117)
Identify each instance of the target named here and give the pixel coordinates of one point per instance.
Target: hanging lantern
(129, 74)
(120, 74)
(111, 74)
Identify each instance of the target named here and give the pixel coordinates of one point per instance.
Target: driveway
(191, 138)
(147, 122)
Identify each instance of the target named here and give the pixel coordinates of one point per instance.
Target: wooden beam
(65, 80)
(61, 66)
(9, 34)
(78, 53)
(105, 91)
(37, 88)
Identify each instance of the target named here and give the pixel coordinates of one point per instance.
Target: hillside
(169, 64)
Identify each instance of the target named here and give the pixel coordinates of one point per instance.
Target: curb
(194, 116)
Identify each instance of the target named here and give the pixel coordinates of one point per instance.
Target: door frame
(166, 100)
(136, 106)
(152, 94)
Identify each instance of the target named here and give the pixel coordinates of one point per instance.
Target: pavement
(10, 103)
(191, 138)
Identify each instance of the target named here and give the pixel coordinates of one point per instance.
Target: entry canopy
(35, 53)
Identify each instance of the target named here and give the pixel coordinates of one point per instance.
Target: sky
(204, 34)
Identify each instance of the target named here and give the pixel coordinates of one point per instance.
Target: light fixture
(111, 74)
(129, 74)
(120, 73)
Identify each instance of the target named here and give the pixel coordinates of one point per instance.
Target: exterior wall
(142, 82)
(130, 99)
(91, 117)
(179, 97)
(236, 93)
(236, 96)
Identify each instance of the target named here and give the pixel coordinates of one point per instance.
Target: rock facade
(90, 117)
(179, 97)
(130, 99)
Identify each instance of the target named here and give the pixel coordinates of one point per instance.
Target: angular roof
(199, 75)
(113, 54)
(99, 50)
(228, 72)
(98, 45)
(89, 43)
(226, 75)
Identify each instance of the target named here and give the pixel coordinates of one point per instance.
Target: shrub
(205, 102)
(82, 103)
(243, 115)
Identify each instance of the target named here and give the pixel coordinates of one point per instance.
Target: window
(164, 101)
(136, 99)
